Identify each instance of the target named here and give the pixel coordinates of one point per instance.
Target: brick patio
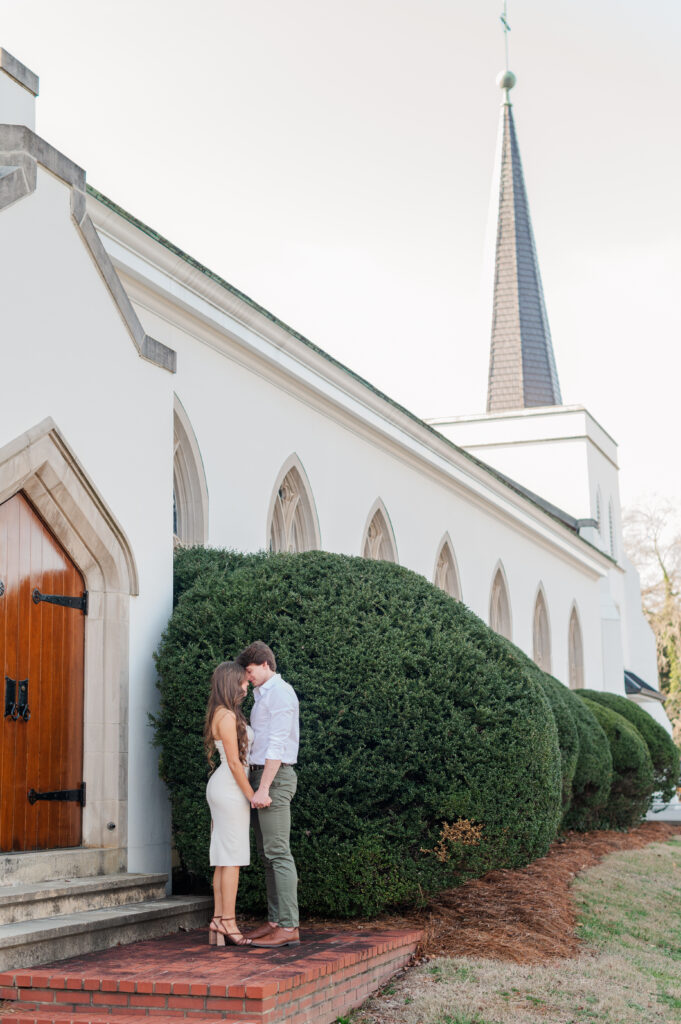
(181, 976)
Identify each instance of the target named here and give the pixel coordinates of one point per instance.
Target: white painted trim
(195, 497)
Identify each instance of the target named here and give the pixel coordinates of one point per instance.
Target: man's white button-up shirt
(274, 719)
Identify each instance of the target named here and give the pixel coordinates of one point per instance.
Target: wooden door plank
(45, 643)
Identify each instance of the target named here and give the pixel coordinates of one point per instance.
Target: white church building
(139, 388)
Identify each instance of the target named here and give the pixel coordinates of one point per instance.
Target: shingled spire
(522, 368)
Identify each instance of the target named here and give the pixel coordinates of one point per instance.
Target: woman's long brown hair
(225, 692)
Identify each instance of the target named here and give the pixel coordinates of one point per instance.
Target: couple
(256, 781)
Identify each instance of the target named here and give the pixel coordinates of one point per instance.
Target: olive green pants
(273, 838)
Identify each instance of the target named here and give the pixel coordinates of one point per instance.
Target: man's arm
(283, 709)
(261, 798)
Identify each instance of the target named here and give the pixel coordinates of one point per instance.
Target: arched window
(541, 634)
(446, 576)
(190, 493)
(379, 541)
(293, 520)
(500, 606)
(611, 528)
(575, 653)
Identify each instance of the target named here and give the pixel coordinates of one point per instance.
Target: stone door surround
(42, 465)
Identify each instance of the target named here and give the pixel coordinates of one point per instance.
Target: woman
(229, 796)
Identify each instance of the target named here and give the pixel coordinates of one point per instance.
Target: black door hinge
(76, 796)
(81, 603)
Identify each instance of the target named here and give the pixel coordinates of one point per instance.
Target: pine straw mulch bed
(526, 915)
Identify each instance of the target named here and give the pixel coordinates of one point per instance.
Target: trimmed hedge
(559, 698)
(413, 714)
(633, 781)
(190, 563)
(593, 774)
(661, 747)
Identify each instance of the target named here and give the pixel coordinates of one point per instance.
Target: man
(274, 719)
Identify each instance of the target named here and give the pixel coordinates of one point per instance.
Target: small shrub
(413, 713)
(633, 781)
(593, 774)
(661, 747)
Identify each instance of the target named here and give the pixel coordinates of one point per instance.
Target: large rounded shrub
(414, 716)
(558, 697)
(633, 779)
(661, 747)
(593, 773)
(191, 563)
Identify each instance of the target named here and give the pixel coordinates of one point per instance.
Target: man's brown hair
(257, 653)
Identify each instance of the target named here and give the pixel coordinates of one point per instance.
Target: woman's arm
(226, 729)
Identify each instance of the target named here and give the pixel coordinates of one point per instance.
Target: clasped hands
(261, 798)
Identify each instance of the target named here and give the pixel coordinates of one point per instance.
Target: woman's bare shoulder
(221, 717)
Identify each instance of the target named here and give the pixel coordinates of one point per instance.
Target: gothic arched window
(379, 541)
(500, 606)
(190, 493)
(446, 576)
(598, 510)
(293, 520)
(541, 634)
(575, 653)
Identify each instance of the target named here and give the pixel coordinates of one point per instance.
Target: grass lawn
(629, 970)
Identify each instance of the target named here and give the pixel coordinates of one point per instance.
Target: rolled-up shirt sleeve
(283, 710)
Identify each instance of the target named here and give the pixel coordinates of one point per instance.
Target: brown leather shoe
(279, 937)
(262, 930)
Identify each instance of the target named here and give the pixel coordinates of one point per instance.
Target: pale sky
(334, 162)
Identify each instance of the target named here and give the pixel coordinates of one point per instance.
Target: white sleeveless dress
(231, 813)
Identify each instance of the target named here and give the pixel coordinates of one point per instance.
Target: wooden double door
(42, 630)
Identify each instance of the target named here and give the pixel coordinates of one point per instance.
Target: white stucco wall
(67, 354)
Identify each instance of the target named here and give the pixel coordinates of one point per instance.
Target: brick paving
(182, 976)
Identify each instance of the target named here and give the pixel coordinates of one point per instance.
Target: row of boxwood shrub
(432, 750)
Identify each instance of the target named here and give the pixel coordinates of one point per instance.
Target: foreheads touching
(258, 662)
(229, 685)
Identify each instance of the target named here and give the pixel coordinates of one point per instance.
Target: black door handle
(16, 699)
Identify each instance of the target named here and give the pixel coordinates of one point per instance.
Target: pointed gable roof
(522, 368)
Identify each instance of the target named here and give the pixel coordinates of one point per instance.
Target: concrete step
(73, 895)
(76, 862)
(44, 940)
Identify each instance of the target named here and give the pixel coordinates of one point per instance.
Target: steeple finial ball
(506, 80)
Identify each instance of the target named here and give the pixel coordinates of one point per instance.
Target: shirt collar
(259, 690)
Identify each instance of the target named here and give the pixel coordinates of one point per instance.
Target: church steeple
(522, 367)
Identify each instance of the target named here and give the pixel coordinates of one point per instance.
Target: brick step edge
(314, 995)
(28, 1017)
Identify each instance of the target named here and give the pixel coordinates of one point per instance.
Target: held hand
(261, 799)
